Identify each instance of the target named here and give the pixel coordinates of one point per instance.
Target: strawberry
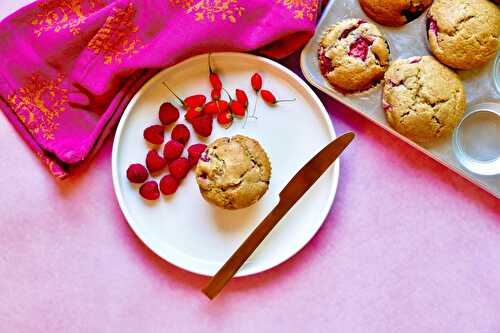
(237, 109)
(256, 82)
(222, 105)
(179, 167)
(225, 119)
(168, 185)
(149, 190)
(154, 161)
(192, 114)
(216, 93)
(194, 152)
(137, 173)
(180, 133)
(154, 134)
(203, 125)
(242, 98)
(172, 150)
(168, 113)
(211, 108)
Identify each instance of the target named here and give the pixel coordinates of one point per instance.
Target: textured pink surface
(409, 246)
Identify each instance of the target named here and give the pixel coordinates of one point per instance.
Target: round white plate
(193, 234)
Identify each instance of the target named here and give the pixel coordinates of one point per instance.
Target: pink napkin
(69, 67)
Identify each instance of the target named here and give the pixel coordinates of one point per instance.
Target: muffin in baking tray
(234, 172)
(394, 12)
(463, 34)
(353, 55)
(422, 99)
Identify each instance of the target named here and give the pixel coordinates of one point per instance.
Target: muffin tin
(406, 41)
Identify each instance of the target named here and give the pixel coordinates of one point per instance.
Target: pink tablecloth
(409, 246)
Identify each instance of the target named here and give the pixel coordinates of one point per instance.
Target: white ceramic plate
(195, 235)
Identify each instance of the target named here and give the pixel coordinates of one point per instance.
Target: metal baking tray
(406, 41)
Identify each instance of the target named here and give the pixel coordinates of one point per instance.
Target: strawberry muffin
(463, 34)
(422, 99)
(233, 173)
(394, 12)
(353, 55)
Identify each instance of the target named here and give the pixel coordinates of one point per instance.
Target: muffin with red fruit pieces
(233, 173)
(422, 98)
(394, 12)
(353, 55)
(463, 34)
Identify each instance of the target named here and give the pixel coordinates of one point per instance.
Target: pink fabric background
(409, 246)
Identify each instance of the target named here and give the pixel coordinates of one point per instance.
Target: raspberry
(154, 134)
(168, 113)
(203, 125)
(168, 185)
(149, 190)
(154, 161)
(179, 167)
(172, 150)
(181, 134)
(194, 152)
(137, 173)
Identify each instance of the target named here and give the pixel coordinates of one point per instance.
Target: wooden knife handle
(226, 272)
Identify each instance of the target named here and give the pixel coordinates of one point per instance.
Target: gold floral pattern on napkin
(39, 103)
(301, 9)
(211, 10)
(117, 39)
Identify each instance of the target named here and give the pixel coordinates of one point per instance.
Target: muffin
(233, 173)
(463, 34)
(422, 99)
(394, 12)
(353, 55)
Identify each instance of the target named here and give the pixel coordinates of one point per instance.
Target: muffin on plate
(463, 34)
(422, 99)
(394, 12)
(233, 173)
(353, 55)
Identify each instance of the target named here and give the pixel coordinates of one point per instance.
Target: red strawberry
(237, 109)
(225, 119)
(256, 81)
(179, 167)
(149, 190)
(154, 161)
(195, 101)
(242, 98)
(194, 152)
(137, 173)
(211, 107)
(203, 125)
(172, 150)
(216, 93)
(192, 114)
(168, 185)
(168, 113)
(223, 105)
(154, 134)
(181, 134)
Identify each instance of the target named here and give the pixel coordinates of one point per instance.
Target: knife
(290, 194)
